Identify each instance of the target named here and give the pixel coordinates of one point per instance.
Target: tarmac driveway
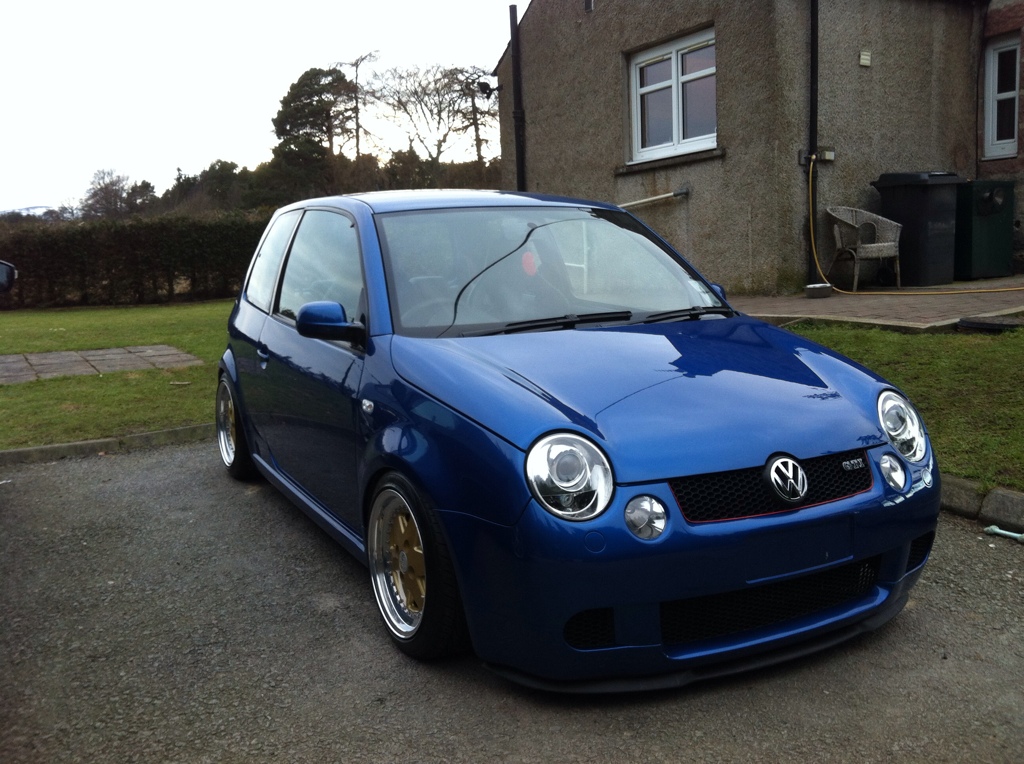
(152, 609)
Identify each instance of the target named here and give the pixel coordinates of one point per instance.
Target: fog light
(893, 472)
(646, 517)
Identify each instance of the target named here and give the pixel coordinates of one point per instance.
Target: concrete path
(916, 308)
(27, 367)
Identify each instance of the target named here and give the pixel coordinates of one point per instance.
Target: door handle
(264, 356)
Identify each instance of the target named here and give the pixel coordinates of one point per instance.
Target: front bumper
(588, 606)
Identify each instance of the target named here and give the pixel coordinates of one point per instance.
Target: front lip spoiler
(677, 679)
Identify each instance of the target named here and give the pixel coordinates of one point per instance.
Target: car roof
(401, 201)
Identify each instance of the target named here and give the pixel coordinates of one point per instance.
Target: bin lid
(889, 179)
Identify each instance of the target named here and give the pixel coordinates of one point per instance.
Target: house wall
(744, 222)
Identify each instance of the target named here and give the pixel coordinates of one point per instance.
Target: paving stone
(15, 378)
(89, 355)
(151, 350)
(68, 371)
(14, 366)
(67, 363)
(126, 362)
(178, 360)
(910, 308)
(51, 358)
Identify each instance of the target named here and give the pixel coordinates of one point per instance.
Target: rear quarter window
(263, 275)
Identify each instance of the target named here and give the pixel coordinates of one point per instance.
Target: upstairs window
(1002, 82)
(674, 100)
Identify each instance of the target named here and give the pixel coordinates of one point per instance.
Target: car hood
(663, 400)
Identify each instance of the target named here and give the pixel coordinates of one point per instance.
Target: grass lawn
(67, 409)
(968, 387)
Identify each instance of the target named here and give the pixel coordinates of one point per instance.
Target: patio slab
(914, 309)
(28, 367)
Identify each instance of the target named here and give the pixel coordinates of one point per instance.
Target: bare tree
(435, 105)
(106, 197)
(360, 92)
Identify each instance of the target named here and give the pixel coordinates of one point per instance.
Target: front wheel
(234, 448)
(407, 550)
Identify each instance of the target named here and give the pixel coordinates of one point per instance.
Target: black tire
(406, 548)
(231, 440)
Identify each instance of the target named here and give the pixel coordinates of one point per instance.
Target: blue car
(553, 443)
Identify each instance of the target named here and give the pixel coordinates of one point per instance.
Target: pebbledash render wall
(744, 221)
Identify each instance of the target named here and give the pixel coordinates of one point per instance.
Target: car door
(250, 313)
(308, 386)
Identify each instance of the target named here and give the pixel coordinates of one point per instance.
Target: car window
(324, 264)
(263, 275)
(495, 266)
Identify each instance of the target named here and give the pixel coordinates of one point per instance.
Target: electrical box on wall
(865, 58)
(824, 154)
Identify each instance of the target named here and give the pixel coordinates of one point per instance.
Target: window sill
(660, 164)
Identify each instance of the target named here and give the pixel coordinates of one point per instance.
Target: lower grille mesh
(716, 616)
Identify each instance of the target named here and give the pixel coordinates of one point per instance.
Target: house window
(1002, 77)
(674, 98)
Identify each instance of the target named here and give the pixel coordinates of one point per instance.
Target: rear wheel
(412, 573)
(234, 448)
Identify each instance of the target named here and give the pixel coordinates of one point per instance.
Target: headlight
(569, 476)
(902, 425)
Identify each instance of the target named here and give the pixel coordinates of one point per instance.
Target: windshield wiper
(688, 314)
(568, 321)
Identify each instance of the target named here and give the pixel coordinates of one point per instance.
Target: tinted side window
(324, 264)
(260, 289)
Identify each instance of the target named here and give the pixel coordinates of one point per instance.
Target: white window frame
(673, 52)
(996, 149)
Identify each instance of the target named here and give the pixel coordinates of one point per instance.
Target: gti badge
(788, 479)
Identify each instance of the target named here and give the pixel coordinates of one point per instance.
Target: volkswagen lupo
(553, 443)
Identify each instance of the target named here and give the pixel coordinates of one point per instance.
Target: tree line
(325, 147)
(122, 243)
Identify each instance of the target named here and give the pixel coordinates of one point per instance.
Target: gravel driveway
(152, 609)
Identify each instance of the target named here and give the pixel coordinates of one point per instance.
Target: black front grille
(721, 615)
(746, 493)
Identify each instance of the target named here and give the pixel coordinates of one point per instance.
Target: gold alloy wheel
(397, 563)
(227, 423)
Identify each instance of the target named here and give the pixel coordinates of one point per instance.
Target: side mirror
(720, 291)
(327, 321)
(8, 274)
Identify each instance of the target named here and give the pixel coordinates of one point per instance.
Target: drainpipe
(518, 115)
(812, 135)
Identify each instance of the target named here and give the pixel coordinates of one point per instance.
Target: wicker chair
(862, 235)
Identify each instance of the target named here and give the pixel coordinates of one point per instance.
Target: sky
(146, 88)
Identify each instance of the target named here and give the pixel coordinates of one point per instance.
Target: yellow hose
(824, 278)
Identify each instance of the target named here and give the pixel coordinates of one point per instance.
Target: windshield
(481, 270)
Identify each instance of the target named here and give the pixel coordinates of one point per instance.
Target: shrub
(135, 261)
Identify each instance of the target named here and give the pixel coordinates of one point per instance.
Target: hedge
(136, 261)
